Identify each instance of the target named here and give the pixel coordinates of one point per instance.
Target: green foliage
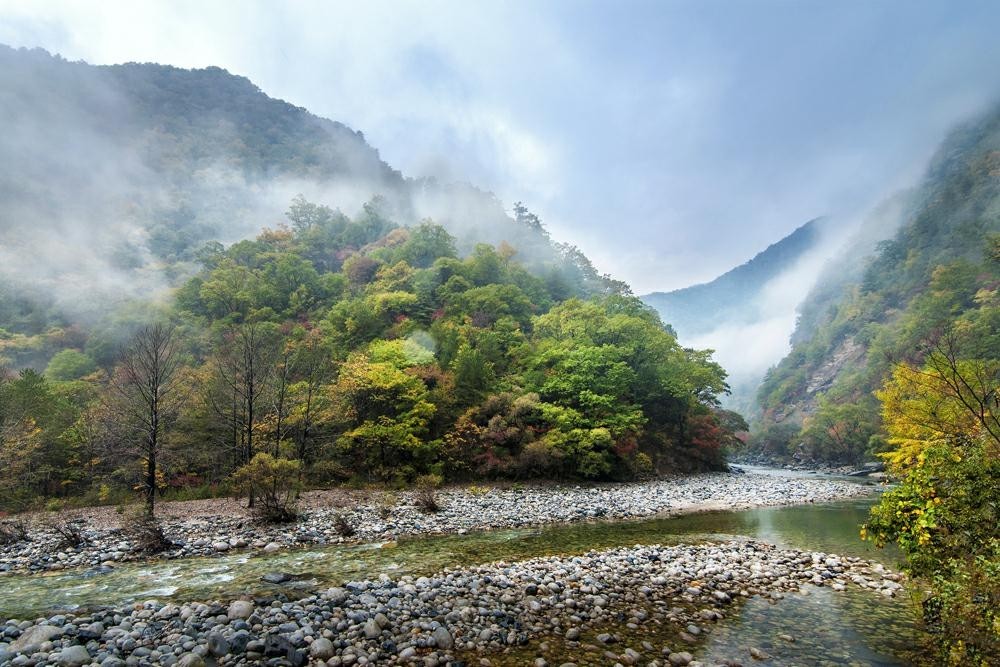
(69, 365)
(355, 349)
(943, 424)
(273, 485)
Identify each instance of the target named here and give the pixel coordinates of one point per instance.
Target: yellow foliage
(921, 407)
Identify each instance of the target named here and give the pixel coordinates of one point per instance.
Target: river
(853, 627)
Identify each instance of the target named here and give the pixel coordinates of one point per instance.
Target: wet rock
(74, 656)
(32, 639)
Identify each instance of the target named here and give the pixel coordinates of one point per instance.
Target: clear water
(849, 628)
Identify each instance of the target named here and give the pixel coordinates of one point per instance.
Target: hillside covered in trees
(115, 179)
(371, 352)
(415, 329)
(936, 275)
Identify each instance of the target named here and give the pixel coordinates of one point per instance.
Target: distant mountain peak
(731, 297)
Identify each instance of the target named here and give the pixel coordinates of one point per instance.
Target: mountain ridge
(699, 308)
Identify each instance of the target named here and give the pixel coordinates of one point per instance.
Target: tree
(839, 431)
(69, 365)
(312, 358)
(244, 368)
(274, 482)
(384, 412)
(942, 421)
(147, 396)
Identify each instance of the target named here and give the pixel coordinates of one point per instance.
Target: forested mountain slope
(935, 276)
(115, 179)
(733, 297)
(365, 343)
(363, 352)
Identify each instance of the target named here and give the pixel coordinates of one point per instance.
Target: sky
(670, 141)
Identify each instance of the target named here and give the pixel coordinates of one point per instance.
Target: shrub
(324, 473)
(13, 531)
(70, 533)
(943, 517)
(145, 532)
(342, 526)
(385, 501)
(273, 485)
(425, 497)
(642, 466)
(474, 490)
(54, 505)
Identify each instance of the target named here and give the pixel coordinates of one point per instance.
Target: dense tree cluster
(366, 352)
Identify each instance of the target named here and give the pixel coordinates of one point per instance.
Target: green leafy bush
(273, 485)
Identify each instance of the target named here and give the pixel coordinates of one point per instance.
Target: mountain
(747, 314)
(153, 246)
(735, 296)
(935, 275)
(114, 180)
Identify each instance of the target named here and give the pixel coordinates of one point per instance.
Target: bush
(145, 532)
(342, 526)
(385, 501)
(325, 473)
(70, 533)
(425, 497)
(943, 517)
(54, 505)
(967, 608)
(273, 486)
(13, 531)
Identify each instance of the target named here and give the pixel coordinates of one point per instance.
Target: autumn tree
(244, 369)
(942, 422)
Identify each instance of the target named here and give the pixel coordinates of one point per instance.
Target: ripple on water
(852, 625)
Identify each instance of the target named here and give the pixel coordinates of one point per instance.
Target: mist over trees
(130, 176)
(366, 352)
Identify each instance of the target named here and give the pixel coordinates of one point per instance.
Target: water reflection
(825, 625)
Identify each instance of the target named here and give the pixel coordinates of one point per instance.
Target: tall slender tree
(147, 396)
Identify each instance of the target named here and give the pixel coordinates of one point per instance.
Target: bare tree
(146, 396)
(244, 374)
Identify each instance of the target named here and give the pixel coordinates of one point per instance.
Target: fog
(107, 197)
(747, 348)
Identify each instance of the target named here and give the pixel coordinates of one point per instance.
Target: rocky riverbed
(591, 608)
(372, 518)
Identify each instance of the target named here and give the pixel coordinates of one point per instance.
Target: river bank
(562, 605)
(199, 528)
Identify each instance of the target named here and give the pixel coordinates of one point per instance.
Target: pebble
(425, 619)
(461, 512)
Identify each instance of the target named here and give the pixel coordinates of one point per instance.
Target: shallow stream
(850, 628)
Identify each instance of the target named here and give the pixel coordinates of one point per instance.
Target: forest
(871, 313)
(367, 353)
